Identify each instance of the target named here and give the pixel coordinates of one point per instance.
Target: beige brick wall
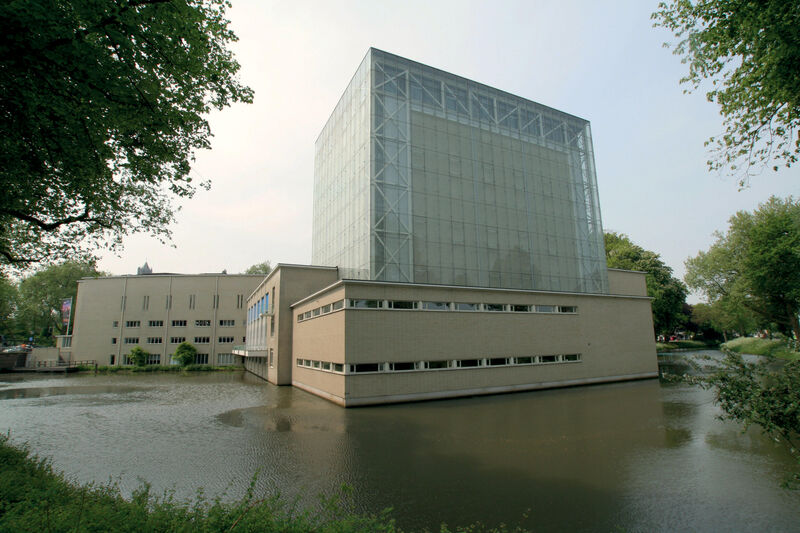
(613, 335)
(158, 297)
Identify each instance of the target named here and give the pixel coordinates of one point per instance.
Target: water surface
(639, 456)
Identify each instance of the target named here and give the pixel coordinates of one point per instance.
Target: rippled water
(639, 456)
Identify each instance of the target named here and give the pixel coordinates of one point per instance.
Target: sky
(601, 61)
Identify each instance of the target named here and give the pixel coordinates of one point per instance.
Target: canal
(638, 456)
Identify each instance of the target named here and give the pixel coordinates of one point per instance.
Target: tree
(759, 393)
(668, 293)
(102, 111)
(724, 318)
(750, 50)
(41, 294)
(185, 354)
(259, 268)
(138, 356)
(8, 306)
(755, 265)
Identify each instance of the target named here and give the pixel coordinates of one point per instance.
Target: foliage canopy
(259, 268)
(755, 265)
(750, 50)
(138, 356)
(102, 111)
(668, 293)
(185, 354)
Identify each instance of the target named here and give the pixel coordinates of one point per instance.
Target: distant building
(159, 311)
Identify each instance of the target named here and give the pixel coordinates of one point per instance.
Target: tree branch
(49, 226)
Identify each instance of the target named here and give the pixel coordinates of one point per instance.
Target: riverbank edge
(36, 497)
(685, 346)
(763, 347)
(86, 369)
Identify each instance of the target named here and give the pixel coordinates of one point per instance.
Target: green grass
(683, 345)
(755, 346)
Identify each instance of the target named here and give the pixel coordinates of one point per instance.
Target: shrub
(138, 356)
(185, 354)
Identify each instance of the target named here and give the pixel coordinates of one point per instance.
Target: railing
(64, 364)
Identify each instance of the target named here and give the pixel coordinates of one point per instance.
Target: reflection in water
(635, 456)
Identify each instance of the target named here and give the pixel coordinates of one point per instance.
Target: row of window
(445, 364)
(155, 359)
(224, 323)
(324, 310)
(177, 340)
(192, 302)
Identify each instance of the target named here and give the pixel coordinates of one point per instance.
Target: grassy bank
(36, 497)
(684, 345)
(768, 347)
(159, 368)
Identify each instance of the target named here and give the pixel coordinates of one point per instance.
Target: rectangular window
(145, 303)
(402, 304)
(178, 323)
(316, 364)
(156, 324)
(366, 304)
(215, 301)
(434, 365)
(113, 340)
(436, 306)
(397, 367)
(225, 359)
(572, 357)
(225, 340)
(202, 323)
(115, 324)
(271, 361)
(153, 359)
(227, 323)
(461, 306)
(498, 361)
(338, 367)
(326, 309)
(131, 340)
(545, 308)
(300, 317)
(201, 359)
(239, 301)
(192, 301)
(202, 340)
(494, 307)
(306, 315)
(469, 363)
(524, 360)
(154, 340)
(326, 365)
(520, 308)
(366, 367)
(168, 301)
(177, 340)
(337, 305)
(272, 325)
(111, 359)
(316, 312)
(547, 358)
(132, 324)
(299, 362)
(567, 309)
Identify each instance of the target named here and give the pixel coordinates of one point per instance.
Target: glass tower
(422, 176)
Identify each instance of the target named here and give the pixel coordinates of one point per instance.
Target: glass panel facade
(426, 177)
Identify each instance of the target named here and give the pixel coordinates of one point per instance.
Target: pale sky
(602, 61)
